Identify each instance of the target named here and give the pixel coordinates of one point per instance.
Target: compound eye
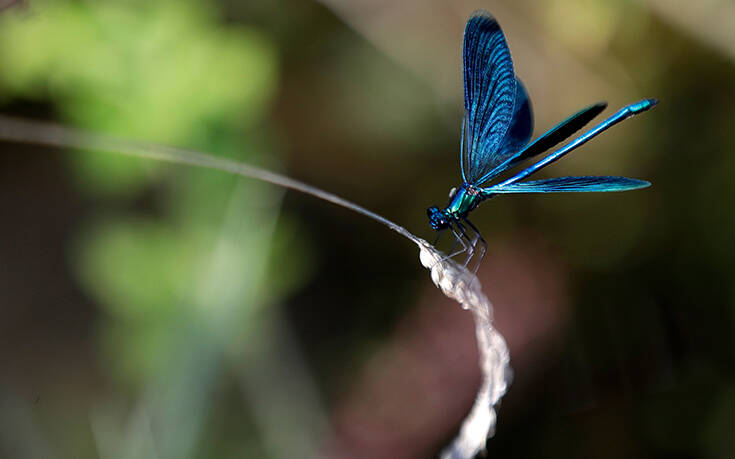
(452, 192)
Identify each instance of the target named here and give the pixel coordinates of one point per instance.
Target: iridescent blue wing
(554, 136)
(517, 135)
(489, 96)
(569, 184)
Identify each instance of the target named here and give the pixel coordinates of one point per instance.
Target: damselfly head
(438, 219)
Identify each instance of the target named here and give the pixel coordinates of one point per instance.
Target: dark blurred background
(163, 311)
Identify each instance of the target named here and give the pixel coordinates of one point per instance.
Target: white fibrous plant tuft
(459, 284)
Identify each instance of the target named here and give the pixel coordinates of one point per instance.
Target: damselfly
(496, 131)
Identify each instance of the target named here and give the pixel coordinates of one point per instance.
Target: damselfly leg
(438, 236)
(458, 239)
(477, 245)
(470, 242)
(481, 249)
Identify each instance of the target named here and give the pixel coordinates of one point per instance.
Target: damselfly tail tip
(642, 106)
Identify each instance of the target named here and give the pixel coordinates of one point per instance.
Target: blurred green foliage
(183, 281)
(163, 71)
